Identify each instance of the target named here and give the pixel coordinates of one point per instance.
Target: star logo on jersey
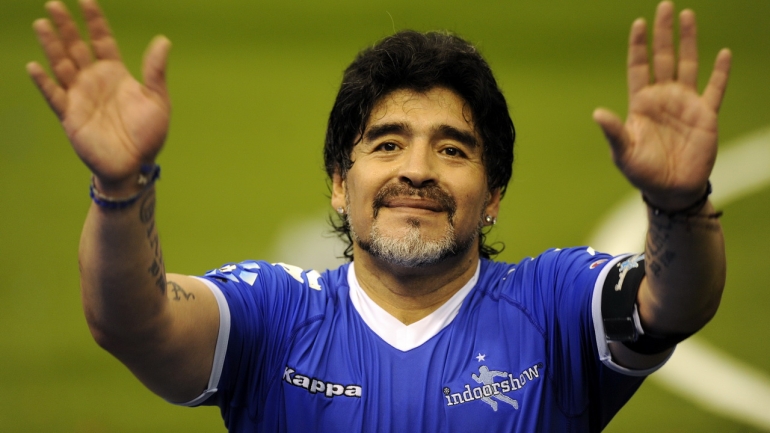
(480, 357)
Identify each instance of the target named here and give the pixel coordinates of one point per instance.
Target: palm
(114, 123)
(668, 144)
(673, 139)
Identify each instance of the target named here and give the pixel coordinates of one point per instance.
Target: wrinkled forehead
(410, 99)
(436, 106)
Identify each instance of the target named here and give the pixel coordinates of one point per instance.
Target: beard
(411, 249)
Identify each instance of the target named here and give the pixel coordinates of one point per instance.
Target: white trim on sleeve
(601, 340)
(221, 349)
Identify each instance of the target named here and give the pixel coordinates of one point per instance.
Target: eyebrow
(464, 137)
(378, 131)
(444, 131)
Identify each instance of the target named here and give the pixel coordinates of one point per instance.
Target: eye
(387, 147)
(452, 151)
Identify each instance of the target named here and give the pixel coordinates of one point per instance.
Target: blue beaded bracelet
(148, 174)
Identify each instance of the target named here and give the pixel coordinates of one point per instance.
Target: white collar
(406, 337)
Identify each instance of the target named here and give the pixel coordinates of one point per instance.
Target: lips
(415, 203)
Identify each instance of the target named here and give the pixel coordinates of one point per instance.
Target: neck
(410, 294)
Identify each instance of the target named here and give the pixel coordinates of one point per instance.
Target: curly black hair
(420, 62)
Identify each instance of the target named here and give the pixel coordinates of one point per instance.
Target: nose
(418, 167)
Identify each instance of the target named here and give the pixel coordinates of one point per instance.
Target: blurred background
(252, 83)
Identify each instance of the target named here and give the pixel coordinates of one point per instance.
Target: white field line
(698, 371)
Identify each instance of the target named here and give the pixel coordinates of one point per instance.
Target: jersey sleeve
(563, 294)
(261, 305)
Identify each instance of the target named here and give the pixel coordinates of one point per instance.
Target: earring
(489, 219)
(340, 210)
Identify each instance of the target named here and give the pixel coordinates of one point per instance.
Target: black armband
(621, 319)
(619, 299)
(648, 344)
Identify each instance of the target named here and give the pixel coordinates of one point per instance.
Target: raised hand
(114, 123)
(668, 144)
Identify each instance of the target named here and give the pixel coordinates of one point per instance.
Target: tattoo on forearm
(658, 256)
(154, 268)
(155, 244)
(177, 289)
(147, 209)
(147, 216)
(697, 222)
(653, 266)
(160, 283)
(656, 238)
(150, 228)
(711, 225)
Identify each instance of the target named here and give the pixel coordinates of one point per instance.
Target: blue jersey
(523, 352)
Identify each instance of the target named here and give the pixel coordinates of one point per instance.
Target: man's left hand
(668, 144)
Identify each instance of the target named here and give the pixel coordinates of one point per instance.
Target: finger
(715, 89)
(688, 50)
(663, 43)
(638, 66)
(615, 132)
(155, 63)
(103, 42)
(62, 66)
(70, 36)
(53, 94)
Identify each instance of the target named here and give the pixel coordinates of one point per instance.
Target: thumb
(614, 130)
(154, 66)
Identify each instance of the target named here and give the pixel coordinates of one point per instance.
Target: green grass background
(252, 83)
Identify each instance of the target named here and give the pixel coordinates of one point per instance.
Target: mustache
(430, 192)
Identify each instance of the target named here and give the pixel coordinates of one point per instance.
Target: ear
(338, 191)
(493, 206)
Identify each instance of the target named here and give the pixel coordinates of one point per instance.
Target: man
(421, 332)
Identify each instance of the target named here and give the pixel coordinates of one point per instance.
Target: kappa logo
(491, 392)
(318, 386)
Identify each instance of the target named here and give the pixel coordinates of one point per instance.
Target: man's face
(416, 192)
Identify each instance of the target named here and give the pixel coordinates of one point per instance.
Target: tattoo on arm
(147, 209)
(659, 256)
(154, 268)
(179, 292)
(147, 216)
(160, 283)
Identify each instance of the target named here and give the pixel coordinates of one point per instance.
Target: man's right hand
(115, 123)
